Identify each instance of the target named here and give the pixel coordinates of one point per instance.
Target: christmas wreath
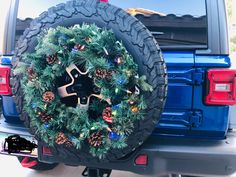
(82, 87)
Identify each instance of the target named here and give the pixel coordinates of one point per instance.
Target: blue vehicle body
(185, 114)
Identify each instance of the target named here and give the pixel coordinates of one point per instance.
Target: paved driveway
(10, 167)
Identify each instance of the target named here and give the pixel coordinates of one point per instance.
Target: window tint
(181, 23)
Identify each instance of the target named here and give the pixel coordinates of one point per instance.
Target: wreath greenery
(110, 117)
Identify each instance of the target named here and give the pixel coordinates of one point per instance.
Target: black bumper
(165, 156)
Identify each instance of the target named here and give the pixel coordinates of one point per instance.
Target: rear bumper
(182, 156)
(175, 156)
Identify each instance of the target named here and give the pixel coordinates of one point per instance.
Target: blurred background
(231, 5)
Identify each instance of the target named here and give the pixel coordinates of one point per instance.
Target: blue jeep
(190, 124)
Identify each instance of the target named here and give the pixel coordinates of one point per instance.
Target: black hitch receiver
(96, 172)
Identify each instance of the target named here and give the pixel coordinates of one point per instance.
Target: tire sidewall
(144, 127)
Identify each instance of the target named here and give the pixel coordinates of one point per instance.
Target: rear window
(174, 23)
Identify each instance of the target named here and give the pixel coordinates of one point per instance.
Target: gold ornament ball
(135, 109)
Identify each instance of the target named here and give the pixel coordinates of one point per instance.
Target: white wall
(4, 6)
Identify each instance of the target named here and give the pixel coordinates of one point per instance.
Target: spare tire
(138, 41)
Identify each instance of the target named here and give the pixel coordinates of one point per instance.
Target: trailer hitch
(96, 172)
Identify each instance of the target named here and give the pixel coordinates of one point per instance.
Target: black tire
(138, 41)
(21, 25)
(40, 165)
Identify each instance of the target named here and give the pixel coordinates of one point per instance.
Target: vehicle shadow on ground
(67, 171)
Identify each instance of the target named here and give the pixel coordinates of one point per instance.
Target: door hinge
(190, 77)
(198, 76)
(195, 118)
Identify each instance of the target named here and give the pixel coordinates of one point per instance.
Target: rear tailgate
(185, 113)
(179, 102)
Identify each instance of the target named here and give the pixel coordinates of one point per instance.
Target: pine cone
(107, 114)
(102, 73)
(44, 117)
(95, 139)
(52, 59)
(109, 74)
(31, 73)
(61, 138)
(48, 97)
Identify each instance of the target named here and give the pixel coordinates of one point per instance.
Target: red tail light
(141, 160)
(222, 87)
(5, 88)
(47, 151)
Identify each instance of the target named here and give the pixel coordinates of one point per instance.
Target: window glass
(178, 7)
(172, 22)
(33, 8)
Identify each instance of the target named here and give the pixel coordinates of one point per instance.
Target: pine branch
(141, 82)
(92, 49)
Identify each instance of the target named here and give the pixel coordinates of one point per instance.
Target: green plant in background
(232, 21)
(233, 43)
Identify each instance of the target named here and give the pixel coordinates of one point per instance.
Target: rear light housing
(5, 88)
(221, 87)
(47, 151)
